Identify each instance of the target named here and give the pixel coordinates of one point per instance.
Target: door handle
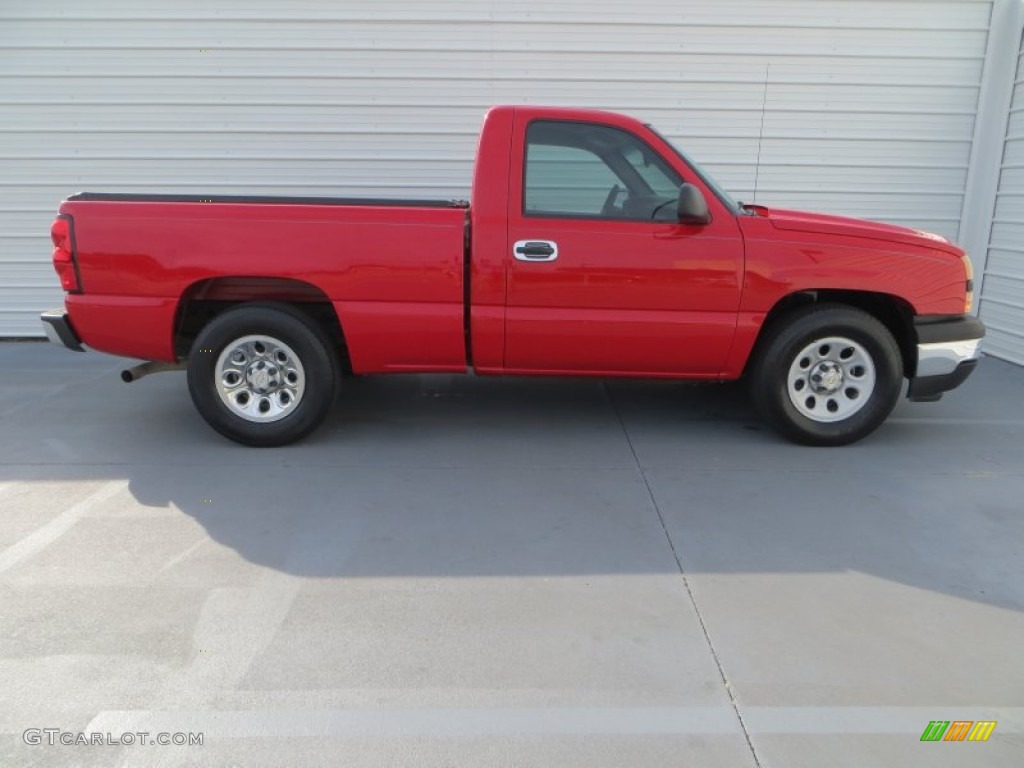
(535, 250)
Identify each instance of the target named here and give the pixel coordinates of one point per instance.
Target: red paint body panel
(930, 280)
(394, 336)
(355, 256)
(132, 326)
(631, 298)
(827, 224)
(489, 212)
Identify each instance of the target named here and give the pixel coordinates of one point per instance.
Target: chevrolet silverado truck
(590, 246)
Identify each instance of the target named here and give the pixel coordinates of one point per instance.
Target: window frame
(524, 213)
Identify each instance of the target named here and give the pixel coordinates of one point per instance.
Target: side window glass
(587, 170)
(566, 180)
(659, 177)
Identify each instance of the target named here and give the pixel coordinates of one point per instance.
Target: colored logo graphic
(958, 730)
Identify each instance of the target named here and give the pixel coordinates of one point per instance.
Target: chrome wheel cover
(259, 378)
(831, 379)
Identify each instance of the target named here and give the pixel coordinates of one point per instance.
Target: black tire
(296, 334)
(777, 369)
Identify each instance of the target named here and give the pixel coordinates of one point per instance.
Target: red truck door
(601, 278)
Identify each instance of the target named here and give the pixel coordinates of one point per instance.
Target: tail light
(969, 301)
(62, 232)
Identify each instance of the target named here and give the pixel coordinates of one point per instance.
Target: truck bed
(392, 269)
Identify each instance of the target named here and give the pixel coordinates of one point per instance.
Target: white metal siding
(870, 104)
(1002, 301)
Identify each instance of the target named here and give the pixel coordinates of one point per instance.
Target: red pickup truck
(591, 246)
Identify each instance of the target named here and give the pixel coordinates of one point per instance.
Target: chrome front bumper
(948, 350)
(942, 357)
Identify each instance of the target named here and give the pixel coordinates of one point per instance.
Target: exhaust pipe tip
(145, 369)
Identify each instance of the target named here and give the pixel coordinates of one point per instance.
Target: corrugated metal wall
(1002, 302)
(869, 107)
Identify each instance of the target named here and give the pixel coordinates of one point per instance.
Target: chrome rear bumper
(59, 331)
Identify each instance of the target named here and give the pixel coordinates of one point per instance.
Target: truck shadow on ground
(462, 477)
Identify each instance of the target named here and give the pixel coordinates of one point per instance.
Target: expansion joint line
(686, 580)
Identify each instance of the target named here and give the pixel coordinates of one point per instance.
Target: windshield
(721, 194)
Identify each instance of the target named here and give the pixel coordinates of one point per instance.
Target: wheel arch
(894, 312)
(205, 299)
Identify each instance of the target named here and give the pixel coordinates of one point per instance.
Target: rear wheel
(262, 374)
(826, 375)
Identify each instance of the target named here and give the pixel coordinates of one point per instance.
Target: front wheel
(262, 374)
(826, 375)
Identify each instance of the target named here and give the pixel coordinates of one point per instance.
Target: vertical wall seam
(988, 145)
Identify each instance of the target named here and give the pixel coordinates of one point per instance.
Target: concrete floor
(472, 572)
